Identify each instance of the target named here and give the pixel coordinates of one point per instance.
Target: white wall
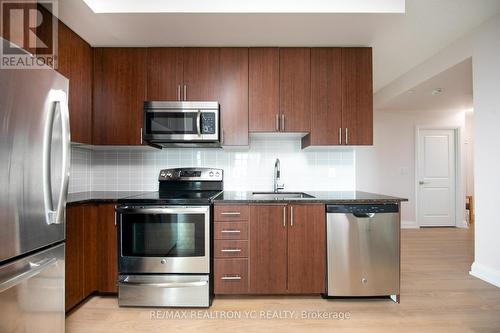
(486, 73)
(389, 166)
(137, 170)
(469, 153)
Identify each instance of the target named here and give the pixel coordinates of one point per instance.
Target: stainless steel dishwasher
(363, 250)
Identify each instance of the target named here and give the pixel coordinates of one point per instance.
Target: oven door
(168, 239)
(177, 125)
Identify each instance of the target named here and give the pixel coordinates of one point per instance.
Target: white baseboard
(464, 224)
(409, 225)
(485, 273)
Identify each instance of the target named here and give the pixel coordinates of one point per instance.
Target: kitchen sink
(280, 195)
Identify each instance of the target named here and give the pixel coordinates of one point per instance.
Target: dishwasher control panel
(363, 208)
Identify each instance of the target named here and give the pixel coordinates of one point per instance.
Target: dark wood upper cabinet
(75, 63)
(341, 97)
(268, 249)
(233, 96)
(295, 89)
(326, 96)
(357, 96)
(119, 95)
(264, 89)
(165, 74)
(306, 249)
(201, 73)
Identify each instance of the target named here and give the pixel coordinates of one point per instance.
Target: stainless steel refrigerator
(34, 170)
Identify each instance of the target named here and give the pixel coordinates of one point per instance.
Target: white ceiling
(399, 41)
(456, 85)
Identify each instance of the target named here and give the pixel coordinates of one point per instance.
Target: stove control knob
(217, 174)
(169, 174)
(163, 261)
(211, 173)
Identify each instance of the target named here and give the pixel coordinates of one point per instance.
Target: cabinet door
(201, 73)
(306, 249)
(164, 82)
(119, 94)
(357, 96)
(295, 89)
(75, 63)
(108, 248)
(233, 96)
(268, 249)
(326, 96)
(90, 250)
(74, 283)
(264, 89)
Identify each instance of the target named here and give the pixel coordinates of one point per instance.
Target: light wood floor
(438, 295)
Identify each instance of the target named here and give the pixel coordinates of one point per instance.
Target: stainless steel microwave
(188, 124)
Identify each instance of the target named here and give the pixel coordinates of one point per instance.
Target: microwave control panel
(208, 123)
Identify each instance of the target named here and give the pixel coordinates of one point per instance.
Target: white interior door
(436, 177)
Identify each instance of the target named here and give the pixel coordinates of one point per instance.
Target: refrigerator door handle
(54, 214)
(33, 269)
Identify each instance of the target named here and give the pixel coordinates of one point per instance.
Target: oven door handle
(165, 284)
(162, 210)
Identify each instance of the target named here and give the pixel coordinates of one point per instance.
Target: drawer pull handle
(230, 250)
(233, 277)
(231, 213)
(230, 231)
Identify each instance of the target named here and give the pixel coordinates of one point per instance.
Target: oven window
(163, 235)
(171, 123)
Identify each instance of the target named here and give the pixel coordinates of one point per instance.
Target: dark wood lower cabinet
(91, 252)
(108, 249)
(306, 249)
(75, 217)
(287, 249)
(268, 249)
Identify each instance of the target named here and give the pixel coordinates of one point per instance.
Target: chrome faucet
(277, 177)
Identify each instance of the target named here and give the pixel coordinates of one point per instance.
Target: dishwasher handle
(364, 215)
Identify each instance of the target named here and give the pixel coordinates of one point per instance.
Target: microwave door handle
(198, 123)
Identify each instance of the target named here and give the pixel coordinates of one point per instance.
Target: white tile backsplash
(252, 169)
(81, 170)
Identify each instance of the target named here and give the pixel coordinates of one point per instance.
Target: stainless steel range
(164, 248)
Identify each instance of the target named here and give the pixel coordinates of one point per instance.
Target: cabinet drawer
(231, 230)
(231, 276)
(231, 249)
(231, 213)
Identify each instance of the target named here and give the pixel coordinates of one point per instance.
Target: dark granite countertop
(326, 197)
(100, 196)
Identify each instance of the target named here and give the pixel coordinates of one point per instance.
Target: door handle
(230, 231)
(284, 216)
(178, 92)
(340, 135)
(54, 214)
(33, 269)
(282, 122)
(291, 216)
(422, 182)
(277, 122)
(234, 277)
(185, 92)
(230, 250)
(346, 136)
(231, 213)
